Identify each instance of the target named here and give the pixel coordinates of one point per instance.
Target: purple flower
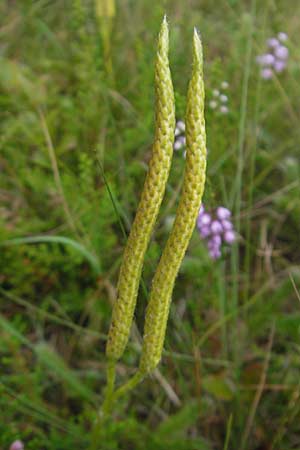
(266, 74)
(266, 60)
(276, 58)
(229, 237)
(204, 232)
(216, 240)
(214, 253)
(272, 42)
(281, 52)
(279, 66)
(182, 139)
(224, 109)
(223, 213)
(17, 445)
(216, 227)
(204, 219)
(177, 145)
(227, 225)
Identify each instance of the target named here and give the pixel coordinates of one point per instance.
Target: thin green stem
(109, 399)
(129, 385)
(252, 162)
(106, 407)
(235, 261)
(110, 380)
(228, 432)
(222, 307)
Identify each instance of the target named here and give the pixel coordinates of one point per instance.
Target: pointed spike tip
(197, 33)
(163, 37)
(164, 24)
(197, 44)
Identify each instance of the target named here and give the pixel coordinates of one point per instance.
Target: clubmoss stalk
(149, 205)
(189, 204)
(105, 12)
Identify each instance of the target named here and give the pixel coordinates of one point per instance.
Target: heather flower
(180, 140)
(272, 42)
(213, 104)
(229, 237)
(180, 125)
(219, 99)
(279, 66)
(282, 37)
(224, 85)
(275, 60)
(223, 98)
(205, 231)
(17, 445)
(223, 213)
(227, 225)
(215, 228)
(266, 74)
(204, 219)
(281, 52)
(224, 109)
(267, 60)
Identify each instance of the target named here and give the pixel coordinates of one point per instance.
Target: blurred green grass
(230, 374)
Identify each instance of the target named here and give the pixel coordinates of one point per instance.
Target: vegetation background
(77, 119)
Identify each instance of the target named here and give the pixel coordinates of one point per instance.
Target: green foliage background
(76, 132)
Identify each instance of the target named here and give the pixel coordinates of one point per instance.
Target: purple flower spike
(229, 237)
(227, 225)
(216, 227)
(266, 74)
(17, 445)
(223, 213)
(281, 52)
(279, 66)
(273, 42)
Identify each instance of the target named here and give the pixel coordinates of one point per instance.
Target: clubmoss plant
(105, 13)
(149, 205)
(187, 212)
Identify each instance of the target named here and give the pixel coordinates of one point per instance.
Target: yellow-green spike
(189, 204)
(149, 205)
